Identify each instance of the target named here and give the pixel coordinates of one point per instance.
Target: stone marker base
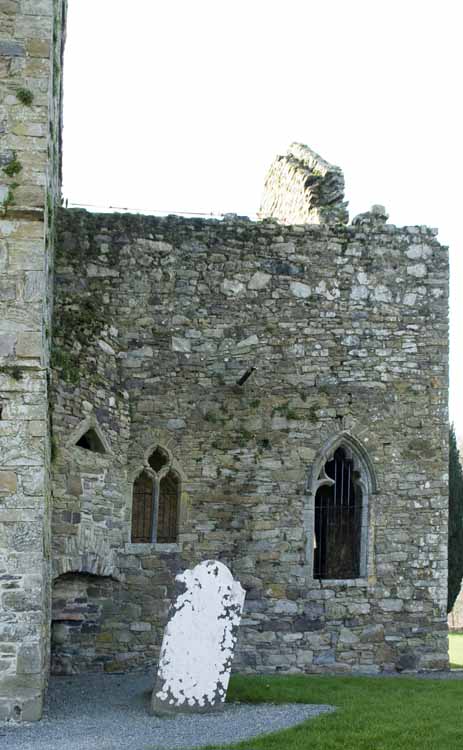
(164, 710)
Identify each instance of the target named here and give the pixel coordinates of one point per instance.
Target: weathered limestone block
(7, 482)
(199, 640)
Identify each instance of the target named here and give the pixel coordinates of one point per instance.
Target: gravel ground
(109, 712)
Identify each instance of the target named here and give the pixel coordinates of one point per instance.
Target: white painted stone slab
(199, 640)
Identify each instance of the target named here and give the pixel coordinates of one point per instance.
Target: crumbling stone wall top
(302, 188)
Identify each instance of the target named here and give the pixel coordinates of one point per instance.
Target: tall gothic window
(168, 508)
(338, 520)
(155, 503)
(143, 509)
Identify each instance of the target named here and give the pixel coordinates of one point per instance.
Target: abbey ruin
(271, 394)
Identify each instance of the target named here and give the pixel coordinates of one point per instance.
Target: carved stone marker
(199, 640)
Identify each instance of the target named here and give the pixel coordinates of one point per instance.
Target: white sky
(181, 105)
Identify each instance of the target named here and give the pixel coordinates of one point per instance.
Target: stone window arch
(156, 501)
(337, 521)
(89, 437)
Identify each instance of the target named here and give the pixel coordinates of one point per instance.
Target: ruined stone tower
(272, 394)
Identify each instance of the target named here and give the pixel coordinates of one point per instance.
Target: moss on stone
(245, 436)
(9, 199)
(14, 371)
(284, 410)
(67, 364)
(25, 96)
(13, 167)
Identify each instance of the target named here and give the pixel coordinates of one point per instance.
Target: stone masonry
(155, 321)
(30, 113)
(302, 188)
(338, 334)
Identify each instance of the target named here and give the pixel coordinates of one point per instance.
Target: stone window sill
(151, 549)
(333, 582)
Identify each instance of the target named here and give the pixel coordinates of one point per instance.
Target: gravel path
(109, 712)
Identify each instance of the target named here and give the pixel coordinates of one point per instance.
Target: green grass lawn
(456, 650)
(372, 713)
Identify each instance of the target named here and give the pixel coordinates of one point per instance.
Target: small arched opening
(83, 607)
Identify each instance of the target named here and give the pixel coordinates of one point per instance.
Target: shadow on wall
(95, 628)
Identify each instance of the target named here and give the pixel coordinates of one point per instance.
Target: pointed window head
(91, 441)
(338, 521)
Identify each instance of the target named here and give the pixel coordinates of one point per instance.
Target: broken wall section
(303, 188)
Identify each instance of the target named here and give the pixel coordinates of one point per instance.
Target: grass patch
(456, 650)
(372, 713)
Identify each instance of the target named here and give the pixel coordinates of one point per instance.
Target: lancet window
(155, 501)
(340, 494)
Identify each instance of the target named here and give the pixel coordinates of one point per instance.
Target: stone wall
(156, 319)
(113, 624)
(30, 113)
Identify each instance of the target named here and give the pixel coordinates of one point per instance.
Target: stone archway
(81, 636)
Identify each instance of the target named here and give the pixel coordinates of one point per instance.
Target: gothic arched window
(338, 521)
(342, 481)
(155, 503)
(143, 509)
